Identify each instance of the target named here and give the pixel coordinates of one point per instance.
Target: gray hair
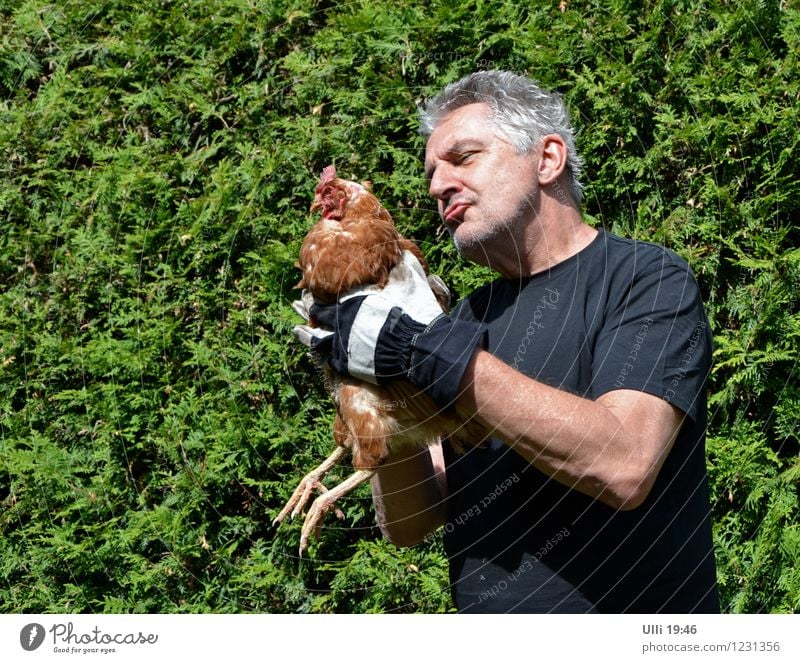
(520, 110)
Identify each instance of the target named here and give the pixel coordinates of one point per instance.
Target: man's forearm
(610, 449)
(409, 492)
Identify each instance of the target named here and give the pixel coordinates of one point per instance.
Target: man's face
(486, 192)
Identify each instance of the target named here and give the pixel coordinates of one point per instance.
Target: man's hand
(399, 331)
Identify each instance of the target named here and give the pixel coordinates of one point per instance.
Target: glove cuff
(440, 354)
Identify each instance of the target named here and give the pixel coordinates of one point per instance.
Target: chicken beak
(316, 206)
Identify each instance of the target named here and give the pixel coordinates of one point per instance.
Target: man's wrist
(440, 355)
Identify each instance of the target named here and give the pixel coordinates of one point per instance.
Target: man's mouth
(455, 212)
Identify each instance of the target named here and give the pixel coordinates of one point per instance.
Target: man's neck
(550, 239)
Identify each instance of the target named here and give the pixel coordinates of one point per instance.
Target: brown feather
(356, 243)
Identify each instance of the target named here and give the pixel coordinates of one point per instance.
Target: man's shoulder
(642, 255)
(611, 262)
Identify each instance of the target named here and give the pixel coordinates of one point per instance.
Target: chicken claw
(308, 483)
(324, 503)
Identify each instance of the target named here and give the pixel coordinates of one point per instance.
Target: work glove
(398, 331)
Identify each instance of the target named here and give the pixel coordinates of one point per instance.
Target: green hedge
(157, 160)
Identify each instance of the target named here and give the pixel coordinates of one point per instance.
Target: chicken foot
(308, 483)
(323, 503)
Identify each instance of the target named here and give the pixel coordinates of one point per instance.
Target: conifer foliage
(157, 161)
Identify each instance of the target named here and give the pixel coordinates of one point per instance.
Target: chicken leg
(323, 504)
(308, 483)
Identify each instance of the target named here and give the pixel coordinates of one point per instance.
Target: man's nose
(442, 185)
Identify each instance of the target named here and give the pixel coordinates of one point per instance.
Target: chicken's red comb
(328, 173)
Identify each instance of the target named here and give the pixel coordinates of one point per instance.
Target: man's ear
(553, 159)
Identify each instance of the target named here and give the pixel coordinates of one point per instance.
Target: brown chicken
(356, 243)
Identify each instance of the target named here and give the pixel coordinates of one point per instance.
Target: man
(587, 358)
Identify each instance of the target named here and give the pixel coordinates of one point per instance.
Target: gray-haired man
(592, 495)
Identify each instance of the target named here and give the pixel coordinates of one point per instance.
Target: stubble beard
(491, 233)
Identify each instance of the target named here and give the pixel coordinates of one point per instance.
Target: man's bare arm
(409, 491)
(610, 449)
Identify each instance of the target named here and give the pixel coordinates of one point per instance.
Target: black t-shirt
(620, 314)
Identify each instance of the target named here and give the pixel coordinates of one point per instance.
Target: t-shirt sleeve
(656, 339)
